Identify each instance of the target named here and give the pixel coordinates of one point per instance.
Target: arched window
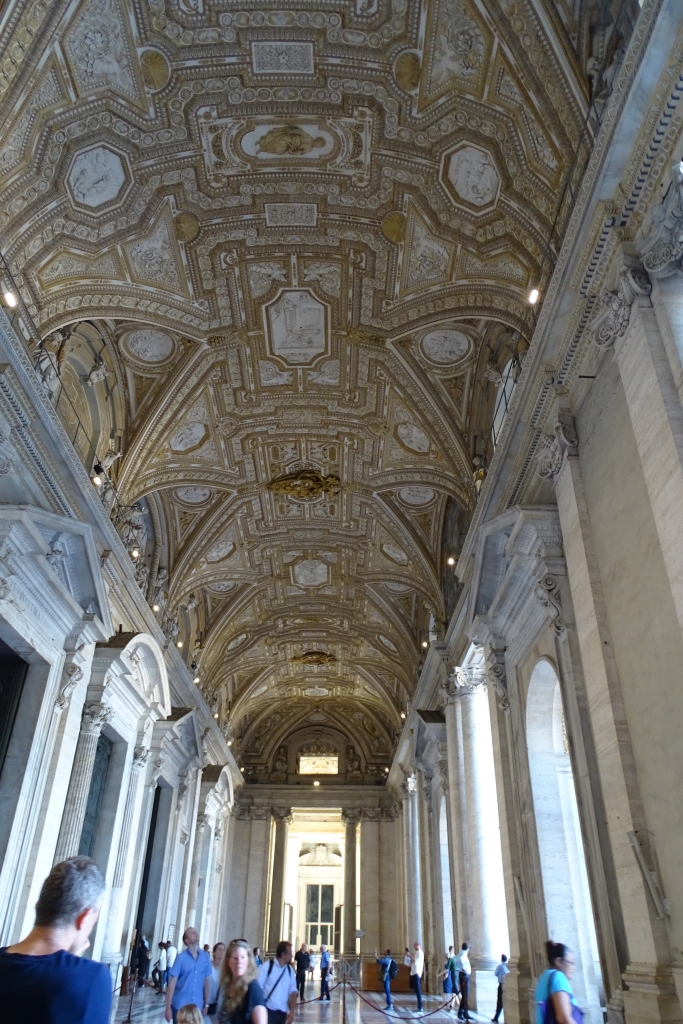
(447, 901)
(503, 399)
(563, 865)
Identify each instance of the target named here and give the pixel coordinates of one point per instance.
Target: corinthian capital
(613, 319)
(351, 816)
(95, 716)
(282, 814)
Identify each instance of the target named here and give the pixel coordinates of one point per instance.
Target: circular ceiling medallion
(394, 227)
(397, 588)
(445, 347)
(407, 70)
(223, 586)
(193, 495)
(416, 495)
(156, 70)
(187, 227)
(149, 346)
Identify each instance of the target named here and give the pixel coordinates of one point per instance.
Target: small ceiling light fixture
(241, 769)
(10, 299)
(229, 743)
(425, 644)
(179, 644)
(196, 679)
(97, 475)
(386, 770)
(316, 783)
(403, 714)
(155, 607)
(451, 561)
(135, 552)
(215, 714)
(533, 296)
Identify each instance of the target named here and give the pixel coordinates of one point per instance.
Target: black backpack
(393, 969)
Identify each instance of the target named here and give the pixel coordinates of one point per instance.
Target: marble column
(95, 716)
(282, 817)
(456, 804)
(425, 831)
(371, 866)
(413, 880)
(488, 920)
(199, 839)
(112, 950)
(350, 819)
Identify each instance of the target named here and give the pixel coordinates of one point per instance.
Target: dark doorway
(95, 796)
(13, 671)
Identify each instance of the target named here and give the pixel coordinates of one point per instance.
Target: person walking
(303, 962)
(216, 964)
(452, 967)
(501, 970)
(278, 982)
(43, 978)
(171, 951)
(325, 960)
(385, 963)
(554, 987)
(190, 978)
(144, 958)
(257, 956)
(240, 999)
(159, 969)
(417, 963)
(462, 961)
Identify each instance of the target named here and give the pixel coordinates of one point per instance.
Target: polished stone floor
(148, 1008)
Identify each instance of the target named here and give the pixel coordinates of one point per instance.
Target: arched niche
(568, 909)
(133, 659)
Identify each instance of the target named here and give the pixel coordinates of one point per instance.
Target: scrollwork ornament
(612, 321)
(555, 448)
(547, 592)
(71, 676)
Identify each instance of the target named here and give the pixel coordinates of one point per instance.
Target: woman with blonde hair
(240, 999)
(190, 1014)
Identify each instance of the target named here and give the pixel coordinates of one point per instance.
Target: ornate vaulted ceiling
(301, 236)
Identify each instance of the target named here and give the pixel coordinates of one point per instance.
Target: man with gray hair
(43, 978)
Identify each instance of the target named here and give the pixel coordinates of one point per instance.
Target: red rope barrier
(315, 999)
(398, 1016)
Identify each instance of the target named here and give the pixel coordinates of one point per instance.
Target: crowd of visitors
(46, 976)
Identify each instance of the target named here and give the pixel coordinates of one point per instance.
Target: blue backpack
(548, 1013)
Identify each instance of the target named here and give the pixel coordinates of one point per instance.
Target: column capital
(95, 717)
(556, 447)
(371, 814)
(611, 323)
(351, 816)
(202, 822)
(469, 680)
(409, 786)
(282, 814)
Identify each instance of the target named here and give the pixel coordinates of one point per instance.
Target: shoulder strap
(270, 966)
(279, 979)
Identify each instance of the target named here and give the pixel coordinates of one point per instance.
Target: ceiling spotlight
(215, 714)
(135, 552)
(10, 299)
(97, 480)
(241, 769)
(196, 679)
(425, 644)
(451, 561)
(179, 644)
(533, 296)
(155, 607)
(403, 714)
(229, 743)
(316, 783)
(386, 770)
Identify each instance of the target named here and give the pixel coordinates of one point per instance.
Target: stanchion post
(129, 1018)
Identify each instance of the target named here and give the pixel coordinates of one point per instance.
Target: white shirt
(276, 989)
(501, 971)
(171, 953)
(162, 959)
(417, 963)
(463, 962)
(214, 983)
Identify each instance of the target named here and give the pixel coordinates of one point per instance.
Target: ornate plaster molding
(555, 448)
(612, 321)
(548, 593)
(662, 249)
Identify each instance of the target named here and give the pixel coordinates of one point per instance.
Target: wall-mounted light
(179, 643)
(10, 299)
(97, 475)
(135, 552)
(533, 296)
(403, 714)
(155, 607)
(425, 644)
(241, 769)
(451, 561)
(229, 743)
(196, 679)
(215, 714)
(386, 770)
(316, 783)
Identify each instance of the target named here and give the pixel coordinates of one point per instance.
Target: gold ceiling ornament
(407, 70)
(357, 337)
(187, 227)
(156, 70)
(314, 658)
(305, 485)
(394, 226)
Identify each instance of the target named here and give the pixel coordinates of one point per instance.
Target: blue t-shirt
(190, 974)
(551, 981)
(59, 988)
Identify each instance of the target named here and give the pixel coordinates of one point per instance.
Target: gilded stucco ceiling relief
(300, 236)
